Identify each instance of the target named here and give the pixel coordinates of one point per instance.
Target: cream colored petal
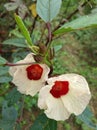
(37, 85)
(46, 71)
(61, 78)
(78, 96)
(43, 94)
(21, 81)
(29, 58)
(34, 89)
(26, 86)
(54, 108)
(12, 70)
(76, 104)
(76, 81)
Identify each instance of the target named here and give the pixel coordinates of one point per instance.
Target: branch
(34, 23)
(49, 32)
(19, 64)
(69, 17)
(64, 21)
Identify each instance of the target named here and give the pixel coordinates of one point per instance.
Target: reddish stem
(18, 64)
(49, 32)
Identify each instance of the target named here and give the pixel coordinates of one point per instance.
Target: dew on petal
(34, 72)
(60, 88)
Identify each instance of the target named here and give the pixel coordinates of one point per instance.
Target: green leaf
(23, 29)
(79, 23)
(9, 113)
(11, 6)
(13, 96)
(48, 9)
(15, 32)
(18, 42)
(3, 70)
(6, 125)
(18, 127)
(44, 123)
(87, 117)
(9, 116)
(5, 79)
(57, 47)
(2, 60)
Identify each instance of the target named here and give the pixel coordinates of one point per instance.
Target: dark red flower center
(34, 72)
(60, 88)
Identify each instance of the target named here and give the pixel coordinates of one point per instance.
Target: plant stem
(49, 32)
(34, 23)
(19, 64)
(64, 21)
(69, 17)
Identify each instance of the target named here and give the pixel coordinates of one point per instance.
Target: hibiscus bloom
(29, 78)
(64, 95)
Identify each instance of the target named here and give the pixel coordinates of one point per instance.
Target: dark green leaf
(9, 116)
(5, 79)
(79, 23)
(52, 124)
(48, 9)
(13, 96)
(2, 60)
(44, 123)
(18, 127)
(6, 125)
(9, 113)
(19, 42)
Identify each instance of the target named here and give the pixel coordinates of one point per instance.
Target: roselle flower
(29, 78)
(64, 95)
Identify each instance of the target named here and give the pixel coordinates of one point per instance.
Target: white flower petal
(79, 94)
(37, 85)
(20, 79)
(54, 108)
(76, 103)
(76, 82)
(46, 71)
(43, 94)
(12, 70)
(26, 86)
(29, 58)
(78, 97)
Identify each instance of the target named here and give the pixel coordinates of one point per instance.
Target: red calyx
(60, 88)
(34, 72)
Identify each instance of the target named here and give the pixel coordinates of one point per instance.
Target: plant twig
(34, 23)
(49, 32)
(69, 17)
(65, 20)
(18, 64)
